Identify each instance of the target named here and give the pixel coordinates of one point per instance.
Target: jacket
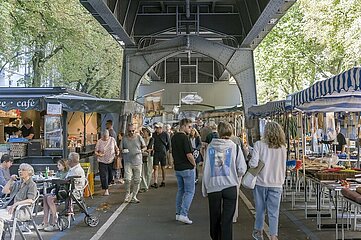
(223, 167)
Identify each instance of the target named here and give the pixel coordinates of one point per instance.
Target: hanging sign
(23, 104)
(54, 109)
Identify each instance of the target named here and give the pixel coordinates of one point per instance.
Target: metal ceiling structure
(170, 32)
(237, 23)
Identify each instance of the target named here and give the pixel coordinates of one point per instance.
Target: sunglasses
(131, 131)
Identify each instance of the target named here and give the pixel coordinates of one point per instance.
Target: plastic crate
(17, 149)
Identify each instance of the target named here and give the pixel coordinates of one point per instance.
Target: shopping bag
(117, 164)
(250, 178)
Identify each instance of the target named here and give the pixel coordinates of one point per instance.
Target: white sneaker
(128, 198)
(177, 217)
(184, 219)
(135, 200)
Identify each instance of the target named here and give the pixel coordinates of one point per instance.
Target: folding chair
(10, 226)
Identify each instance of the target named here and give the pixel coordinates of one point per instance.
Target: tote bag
(250, 178)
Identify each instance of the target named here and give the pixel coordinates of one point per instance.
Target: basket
(18, 149)
(335, 175)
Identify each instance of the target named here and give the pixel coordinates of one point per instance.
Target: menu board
(53, 109)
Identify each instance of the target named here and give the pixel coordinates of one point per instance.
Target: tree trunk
(38, 66)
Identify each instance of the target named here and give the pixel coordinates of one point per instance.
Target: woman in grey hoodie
(223, 168)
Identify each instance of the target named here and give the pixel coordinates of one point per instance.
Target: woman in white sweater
(223, 167)
(267, 193)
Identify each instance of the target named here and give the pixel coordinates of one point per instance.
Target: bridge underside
(188, 41)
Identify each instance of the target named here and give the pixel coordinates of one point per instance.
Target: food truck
(63, 120)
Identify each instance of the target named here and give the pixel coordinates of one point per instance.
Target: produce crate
(18, 149)
(335, 175)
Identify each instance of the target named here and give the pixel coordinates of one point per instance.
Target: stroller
(66, 192)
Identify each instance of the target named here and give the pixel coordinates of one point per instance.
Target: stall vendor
(341, 140)
(27, 130)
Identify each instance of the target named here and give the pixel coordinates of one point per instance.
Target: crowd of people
(224, 159)
(136, 157)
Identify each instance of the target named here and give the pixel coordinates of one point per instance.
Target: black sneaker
(162, 184)
(155, 185)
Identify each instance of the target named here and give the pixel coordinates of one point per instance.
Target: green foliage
(313, 41)
(66, 45)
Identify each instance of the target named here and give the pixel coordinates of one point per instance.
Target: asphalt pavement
(154, 218)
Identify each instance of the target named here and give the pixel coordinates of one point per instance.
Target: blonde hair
(196, 134)
(274, 135)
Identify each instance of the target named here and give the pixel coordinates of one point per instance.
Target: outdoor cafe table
(44, 182)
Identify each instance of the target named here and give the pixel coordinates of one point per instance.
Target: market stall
(63, 120)
(323, 108)
(330, 104)
(232, 115)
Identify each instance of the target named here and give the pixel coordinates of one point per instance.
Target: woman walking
(196, 145)
(267, 193)
(106, 150)
(223, 167)
(147, 159)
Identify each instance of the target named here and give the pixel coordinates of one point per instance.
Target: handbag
(117, 163)
(249, 179)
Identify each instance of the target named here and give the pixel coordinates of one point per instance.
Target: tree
(65, 45)
(313, 41)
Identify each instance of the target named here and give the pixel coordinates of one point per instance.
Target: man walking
(109, 127)
(132, 146)
(161, 146)
(184, 164)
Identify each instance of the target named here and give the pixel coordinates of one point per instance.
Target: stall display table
(334, 188)
(349, 204)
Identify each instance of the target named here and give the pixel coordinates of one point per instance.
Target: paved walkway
(154, 218)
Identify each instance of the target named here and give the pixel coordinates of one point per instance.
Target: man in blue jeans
(184, 164)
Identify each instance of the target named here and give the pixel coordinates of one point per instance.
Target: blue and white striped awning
(349, 80)
(269, 109)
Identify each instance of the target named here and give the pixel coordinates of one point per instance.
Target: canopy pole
(358, 140)
(303, 137)
(65, 134)
(84, 135)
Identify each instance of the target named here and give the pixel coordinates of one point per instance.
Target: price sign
(53, 109)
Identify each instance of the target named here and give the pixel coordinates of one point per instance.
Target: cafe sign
(23, 104)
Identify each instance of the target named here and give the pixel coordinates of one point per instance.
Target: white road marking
(253, 211)
(109, 222)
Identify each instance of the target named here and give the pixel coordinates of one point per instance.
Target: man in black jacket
(161, 146)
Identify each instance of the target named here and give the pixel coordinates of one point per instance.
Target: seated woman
(74, 170)
(21, 191)
(6, 163)
(49, 201)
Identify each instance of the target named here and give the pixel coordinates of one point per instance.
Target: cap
(158, 125)
(148, 129)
